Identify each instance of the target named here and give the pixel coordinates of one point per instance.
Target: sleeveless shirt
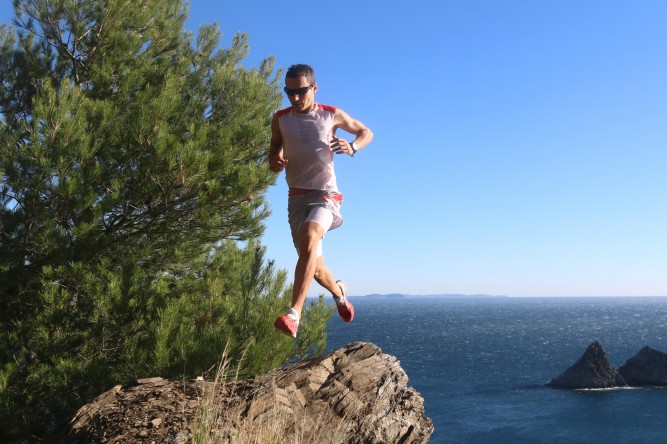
(306, 146)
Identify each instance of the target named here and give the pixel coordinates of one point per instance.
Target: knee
(308, 246)
(308, 241)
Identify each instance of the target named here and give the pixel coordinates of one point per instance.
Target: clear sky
(520, 145)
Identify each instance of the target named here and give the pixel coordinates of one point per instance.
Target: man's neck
(307, 110)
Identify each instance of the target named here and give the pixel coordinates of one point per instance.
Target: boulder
(355, 394)
(591, 371)
(647, 368)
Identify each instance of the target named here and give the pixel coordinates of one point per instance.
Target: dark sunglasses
(297, 91)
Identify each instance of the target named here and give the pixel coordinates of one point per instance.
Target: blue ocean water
(482, 364)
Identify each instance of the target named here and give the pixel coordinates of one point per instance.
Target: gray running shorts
(308, 207)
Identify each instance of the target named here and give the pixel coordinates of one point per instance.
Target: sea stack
(591, 371)
(647, 368)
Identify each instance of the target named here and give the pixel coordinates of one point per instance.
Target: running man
(303, 142)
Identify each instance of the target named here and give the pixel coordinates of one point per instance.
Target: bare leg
(325, 278)
(306, 266)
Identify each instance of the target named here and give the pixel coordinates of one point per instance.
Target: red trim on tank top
(329, 108)
(282, 112)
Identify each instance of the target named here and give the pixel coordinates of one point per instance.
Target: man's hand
(340, 146)
(277, 163)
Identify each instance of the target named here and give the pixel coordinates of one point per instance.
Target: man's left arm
(363, 135)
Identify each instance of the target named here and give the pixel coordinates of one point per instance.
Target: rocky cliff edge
(355, 394)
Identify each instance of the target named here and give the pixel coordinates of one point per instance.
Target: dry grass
(215, 424)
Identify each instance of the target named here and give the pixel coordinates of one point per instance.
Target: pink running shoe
(287, 324)
(345, 308)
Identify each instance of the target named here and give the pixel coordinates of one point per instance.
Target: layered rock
(591, 371)
(356, 394)
(647, 368)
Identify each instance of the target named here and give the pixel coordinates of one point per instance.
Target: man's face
(301, 93)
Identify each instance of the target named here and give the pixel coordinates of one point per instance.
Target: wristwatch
(354, 148)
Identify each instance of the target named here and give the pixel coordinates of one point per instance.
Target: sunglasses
(297, 91)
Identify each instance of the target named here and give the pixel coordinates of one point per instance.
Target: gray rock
(355, 394)
(591, 371)
(647, 368)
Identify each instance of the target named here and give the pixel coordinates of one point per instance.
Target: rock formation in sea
(592, 370)
(647, 368)
(355, 394)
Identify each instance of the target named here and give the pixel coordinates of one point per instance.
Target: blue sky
(520, 146)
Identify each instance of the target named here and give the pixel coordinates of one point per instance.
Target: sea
(482, 364)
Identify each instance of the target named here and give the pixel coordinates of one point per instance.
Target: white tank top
(306, 146)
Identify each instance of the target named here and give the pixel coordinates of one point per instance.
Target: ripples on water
(481, 364)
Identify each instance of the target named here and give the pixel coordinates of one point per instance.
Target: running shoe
(287, 324)
(345, 308)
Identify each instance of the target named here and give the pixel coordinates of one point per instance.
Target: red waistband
(338, 197)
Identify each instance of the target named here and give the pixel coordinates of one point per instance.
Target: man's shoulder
(329, 108)
(282, 112)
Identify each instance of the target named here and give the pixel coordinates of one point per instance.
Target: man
(303, 142)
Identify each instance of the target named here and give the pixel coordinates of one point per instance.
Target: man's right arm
(277, 162)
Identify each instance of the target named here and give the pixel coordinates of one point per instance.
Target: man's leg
(338, 290)
(309, 238)
(309, 266)
(325, 278)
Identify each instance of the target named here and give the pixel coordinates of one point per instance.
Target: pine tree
(132, 163)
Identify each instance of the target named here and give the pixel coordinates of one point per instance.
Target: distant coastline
(455, 296)
(430, 296)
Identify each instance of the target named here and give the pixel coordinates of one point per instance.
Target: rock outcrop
(592, 370)
(647, 368)
(356, 394)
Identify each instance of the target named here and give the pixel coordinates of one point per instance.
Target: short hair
(298, 70)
